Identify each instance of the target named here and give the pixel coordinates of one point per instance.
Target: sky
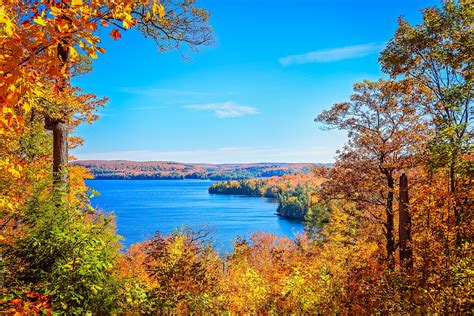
(250, 97)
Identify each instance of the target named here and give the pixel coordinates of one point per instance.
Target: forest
(167, 170)
(393, 222)
(294, 192)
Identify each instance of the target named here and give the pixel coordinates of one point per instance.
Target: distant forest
(166, 170)
(295, 194)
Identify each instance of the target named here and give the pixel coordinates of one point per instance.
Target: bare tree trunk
(389, 224)
(60, 153)
(404, 225)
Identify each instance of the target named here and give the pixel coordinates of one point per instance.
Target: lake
(143, 207)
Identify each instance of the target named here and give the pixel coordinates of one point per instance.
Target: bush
(65, 253)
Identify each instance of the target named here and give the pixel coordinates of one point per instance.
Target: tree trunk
(60, 127)
(404, 225)
(389, 224)
(60, 153)
(457, 211)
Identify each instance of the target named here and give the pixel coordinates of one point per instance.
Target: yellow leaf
(76, 2)
(38, 92)
(55, 11)
(26, 106)
(63, 26)
(158, 8)
(72, 52)
(161, 10)
(128, 21)
(93, 54)
(6, 20)
(39, 20)
(14, 172)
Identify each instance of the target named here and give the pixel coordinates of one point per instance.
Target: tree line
(293, 192)
(167, 170)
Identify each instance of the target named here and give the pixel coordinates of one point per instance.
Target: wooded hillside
(294, 192)
(123, 169)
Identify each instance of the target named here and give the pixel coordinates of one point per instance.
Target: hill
(167, 170)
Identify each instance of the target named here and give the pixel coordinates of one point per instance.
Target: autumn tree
(45, 43)
(179, 273)
(438, 55)
(55, 243)
(384, 132)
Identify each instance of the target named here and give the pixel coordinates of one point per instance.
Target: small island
(294, 192)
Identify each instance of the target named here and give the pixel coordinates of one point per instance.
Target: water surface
(143, 207)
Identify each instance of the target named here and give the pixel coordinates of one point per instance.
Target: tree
(57, 245)
(45, 43)
(438, 55)
(384, 132)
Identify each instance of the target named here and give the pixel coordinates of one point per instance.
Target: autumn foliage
(153, 170)
(409, 152)
(295, 193)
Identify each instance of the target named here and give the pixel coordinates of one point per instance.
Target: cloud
(219, 155)
(225, 109)
(335, 54)
(152, 91)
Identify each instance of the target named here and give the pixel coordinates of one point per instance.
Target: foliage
(385, 137)
(34, 33)
(181, 271)
(438, 55)
(293, 192)
(121, 169)
(67, 254)
(59, 255)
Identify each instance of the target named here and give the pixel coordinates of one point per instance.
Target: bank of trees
(396, 235)
(166, 170)
(266, 187)
(294, 193)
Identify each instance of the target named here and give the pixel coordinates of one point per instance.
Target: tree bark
(60, 127)
(60, 153)
(404, 225)
(389, 224)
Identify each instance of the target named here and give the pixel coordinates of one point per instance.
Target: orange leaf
(91, 26)
(115, 34)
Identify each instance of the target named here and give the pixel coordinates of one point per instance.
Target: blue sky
(252, 96)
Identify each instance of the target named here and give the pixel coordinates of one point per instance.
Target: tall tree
(45, 43)
(439, 55)
(384, 131)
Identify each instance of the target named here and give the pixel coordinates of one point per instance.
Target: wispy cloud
(219, 155)
(153, 91)
(225, 109)
(334, 54)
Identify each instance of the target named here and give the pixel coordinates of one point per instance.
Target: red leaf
(92, 26)
(115, 34)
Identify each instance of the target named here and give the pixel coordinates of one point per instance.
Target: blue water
(143, 207)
